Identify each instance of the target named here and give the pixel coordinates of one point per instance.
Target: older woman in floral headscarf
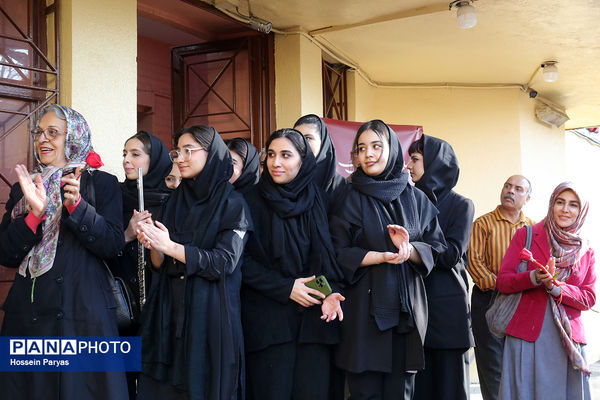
(544, 351)
(56, 240)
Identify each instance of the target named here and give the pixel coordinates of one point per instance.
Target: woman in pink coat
(544, 351)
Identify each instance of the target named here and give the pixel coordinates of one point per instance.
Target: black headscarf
(325, 175)
(441, 169)
(297, 238)
(326, 160)
(202, 359)
(251, 169)
(392, 181)
(156, 191)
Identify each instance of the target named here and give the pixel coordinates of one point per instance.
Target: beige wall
(482, 125)
(99, 78)
(298, 81)
(543, 157)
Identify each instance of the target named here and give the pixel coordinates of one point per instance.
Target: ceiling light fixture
(550, 69)
(465, 13)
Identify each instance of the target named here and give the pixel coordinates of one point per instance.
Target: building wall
(482, 125)
(99, 72)
(543, 151)
(298, 81)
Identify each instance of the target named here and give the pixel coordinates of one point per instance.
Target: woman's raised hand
(398, 234)
(332, 308)
(34, 193)
(301, 293)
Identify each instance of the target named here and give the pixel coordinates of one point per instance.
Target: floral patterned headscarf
(78, 144)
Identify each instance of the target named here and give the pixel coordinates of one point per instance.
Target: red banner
(342, 134)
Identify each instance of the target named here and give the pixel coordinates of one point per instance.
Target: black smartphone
(319, 283)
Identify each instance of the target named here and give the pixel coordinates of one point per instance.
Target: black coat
(447, 285)
(372, 310)
(71, 299)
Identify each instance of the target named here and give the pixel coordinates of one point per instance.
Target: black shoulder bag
(126, 310)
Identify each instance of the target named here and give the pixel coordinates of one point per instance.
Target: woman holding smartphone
(387, 239)
(289, 333)
(192, 341)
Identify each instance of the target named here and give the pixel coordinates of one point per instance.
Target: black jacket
(447, 285)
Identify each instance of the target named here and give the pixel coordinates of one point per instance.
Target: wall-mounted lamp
(231, 8)
(550, 115)
(550, 71)
(260, 24)
(465, 13)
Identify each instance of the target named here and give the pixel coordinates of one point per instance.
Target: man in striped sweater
(490, 238)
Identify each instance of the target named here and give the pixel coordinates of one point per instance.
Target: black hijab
(294, 229)
(197, 353)
(251, 169)
(392, 181)
(187, 205)
(156, 191)
(441, 169)
(326, 160)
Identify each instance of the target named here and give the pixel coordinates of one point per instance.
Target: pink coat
(527, 322)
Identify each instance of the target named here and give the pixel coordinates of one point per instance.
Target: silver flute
(141, 252)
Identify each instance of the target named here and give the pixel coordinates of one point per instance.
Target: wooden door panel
(216, 84)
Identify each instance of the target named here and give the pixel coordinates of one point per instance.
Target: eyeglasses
(187, 153)
(49, 133)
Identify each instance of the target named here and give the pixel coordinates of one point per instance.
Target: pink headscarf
(565, 243)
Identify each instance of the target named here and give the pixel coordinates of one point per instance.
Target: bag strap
(523, 264)
(91, 199)
(91, 190)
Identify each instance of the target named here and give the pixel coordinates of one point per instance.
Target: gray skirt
(541, 370)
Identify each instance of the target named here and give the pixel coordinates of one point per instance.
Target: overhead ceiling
(509, 42)
(418, 42)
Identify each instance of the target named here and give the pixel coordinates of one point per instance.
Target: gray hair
(55, 109)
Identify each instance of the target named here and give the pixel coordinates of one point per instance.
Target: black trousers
(397, 385)
(296, 371)
(446, 375)
(488, 348)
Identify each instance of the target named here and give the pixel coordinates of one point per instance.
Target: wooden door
(227, 85)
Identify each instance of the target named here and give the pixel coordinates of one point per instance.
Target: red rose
(93, 160)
